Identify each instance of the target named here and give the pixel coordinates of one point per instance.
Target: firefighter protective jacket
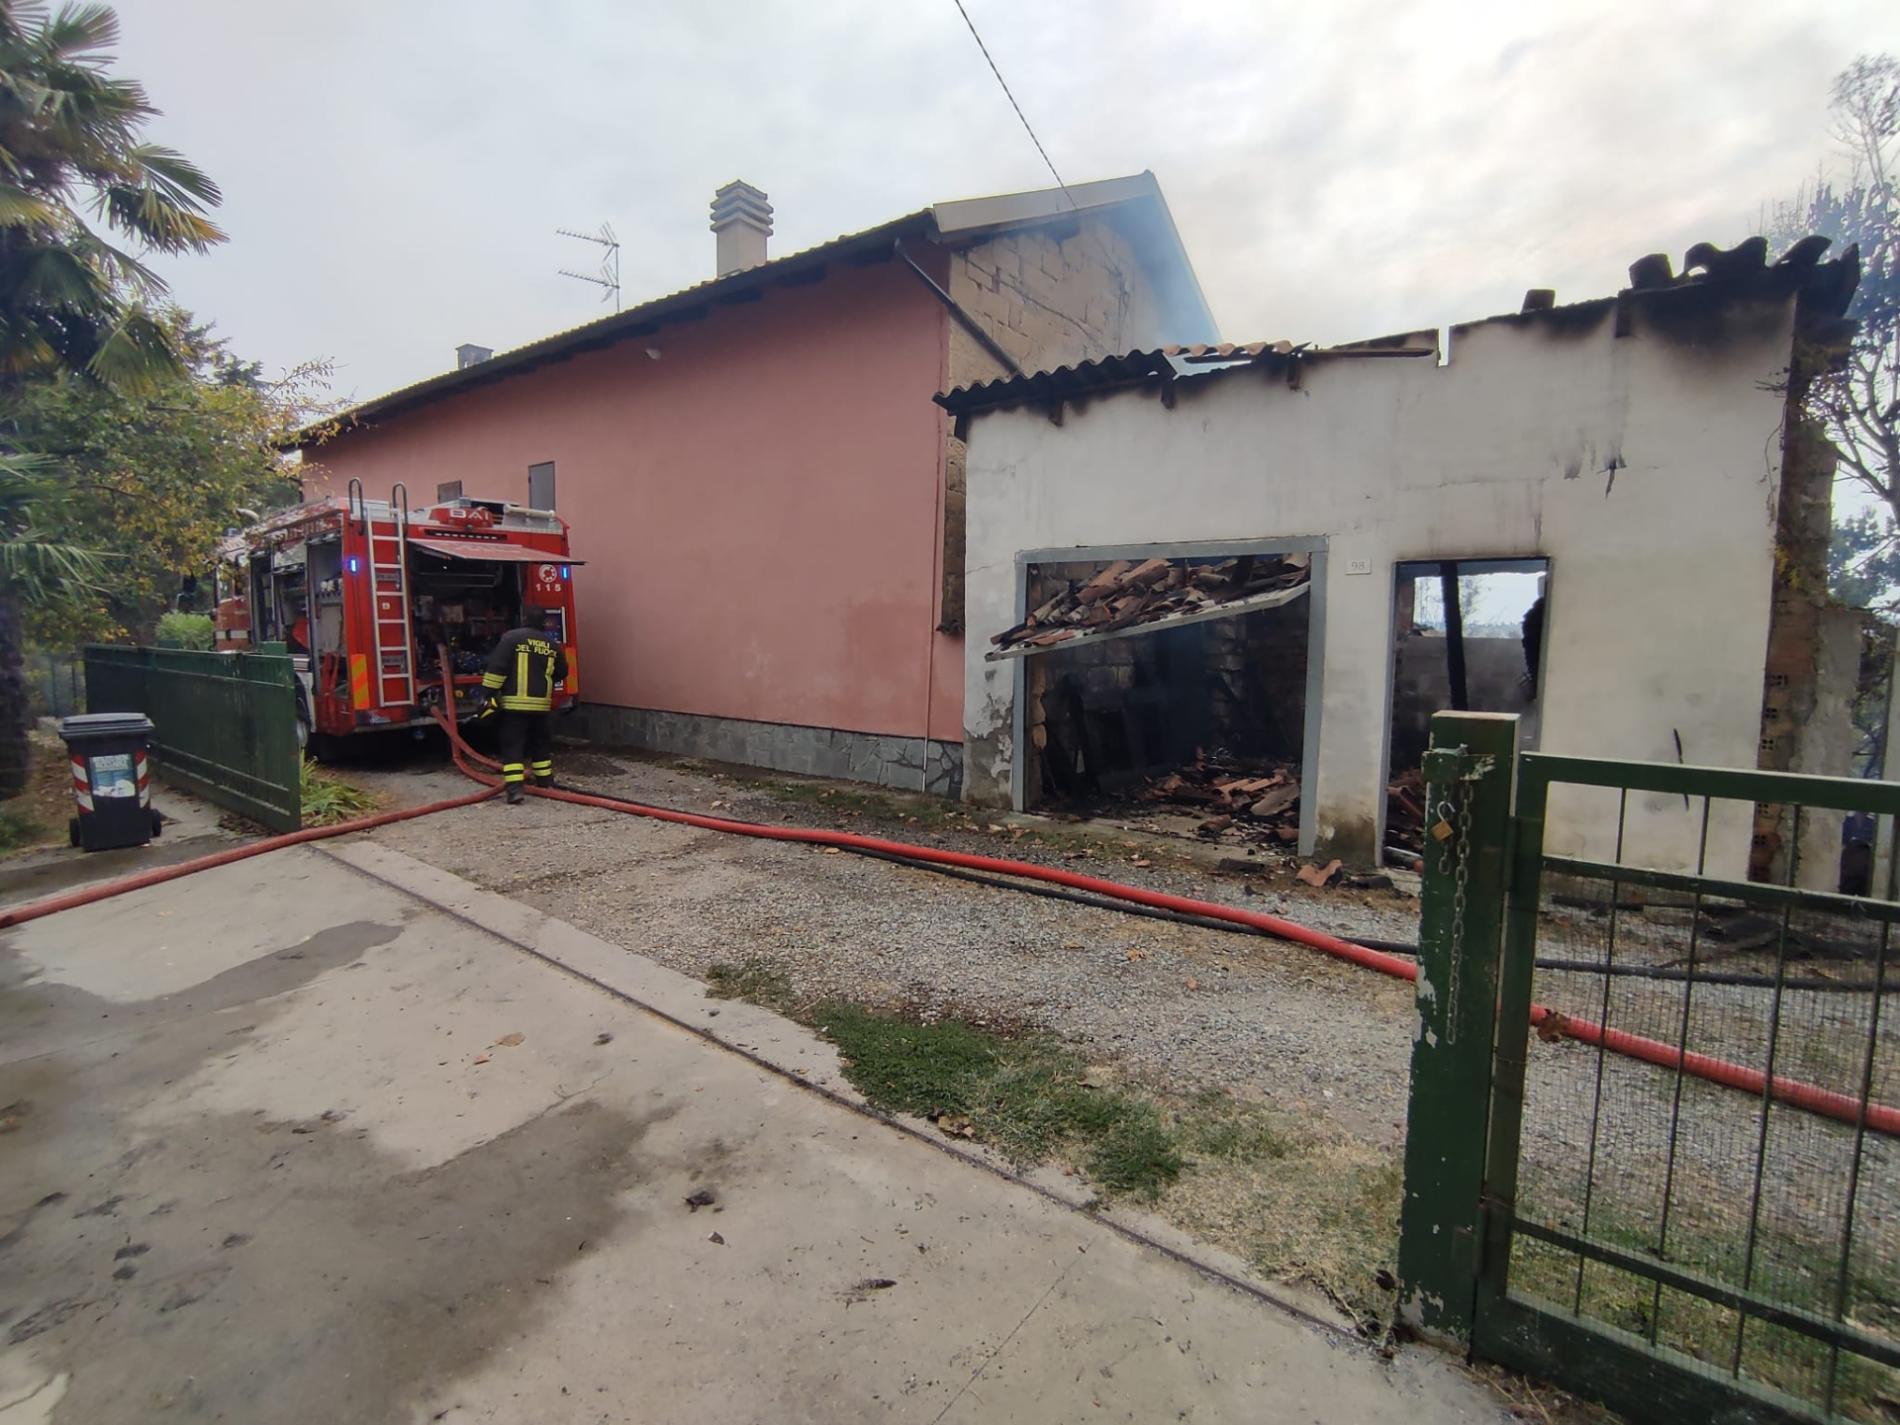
(523, 670)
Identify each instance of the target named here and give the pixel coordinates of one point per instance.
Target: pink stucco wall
(759, 508)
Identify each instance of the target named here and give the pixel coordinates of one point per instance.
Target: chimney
(743, 220)
(468, 354)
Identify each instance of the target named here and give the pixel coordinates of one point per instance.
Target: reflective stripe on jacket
(523, 670)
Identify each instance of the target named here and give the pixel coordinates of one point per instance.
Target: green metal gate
(1652, 1150)
(226, 722)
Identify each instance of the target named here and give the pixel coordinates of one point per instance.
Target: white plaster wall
(1660, 576)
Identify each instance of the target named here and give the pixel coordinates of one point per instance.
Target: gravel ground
(1180, 1006)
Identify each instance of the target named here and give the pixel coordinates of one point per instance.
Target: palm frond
(118, 264)
(176, 176)
(78, 31)
(158, 220)
(135, 354)
(57, 277)
(21, 209)
(42, 569)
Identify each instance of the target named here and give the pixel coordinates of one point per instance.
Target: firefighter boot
(515, 795)
(543, 772)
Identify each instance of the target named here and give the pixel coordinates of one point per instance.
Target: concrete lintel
(1180, 549)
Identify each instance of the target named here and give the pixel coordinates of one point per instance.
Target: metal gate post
(1468, 773)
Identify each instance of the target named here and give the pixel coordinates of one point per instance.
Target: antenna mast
(609, 275)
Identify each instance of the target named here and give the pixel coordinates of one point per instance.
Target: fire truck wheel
(303, 724)
(158, 823)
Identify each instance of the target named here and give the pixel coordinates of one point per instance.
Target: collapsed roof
(1711, 277)
(1138, 595)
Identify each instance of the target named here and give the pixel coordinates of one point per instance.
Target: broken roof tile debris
(1133, 592)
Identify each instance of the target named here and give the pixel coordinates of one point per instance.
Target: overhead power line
(1027, 128)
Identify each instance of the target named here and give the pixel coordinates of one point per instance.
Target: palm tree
(72, 303)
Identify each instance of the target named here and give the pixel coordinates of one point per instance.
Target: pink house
(769, 504)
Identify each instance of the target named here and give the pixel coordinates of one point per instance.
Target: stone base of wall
(907, 763)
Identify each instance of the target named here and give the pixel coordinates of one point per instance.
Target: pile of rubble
(1130, 592)
(1257, 804)
(1405, 812)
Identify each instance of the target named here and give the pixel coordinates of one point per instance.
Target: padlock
(1441, 831)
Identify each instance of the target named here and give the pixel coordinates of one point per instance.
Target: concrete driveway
(301, 1140)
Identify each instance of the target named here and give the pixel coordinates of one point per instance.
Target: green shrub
(183, 630)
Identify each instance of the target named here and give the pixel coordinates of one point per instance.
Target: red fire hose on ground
(1882, 1118)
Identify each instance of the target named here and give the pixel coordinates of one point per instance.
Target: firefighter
(522, 672)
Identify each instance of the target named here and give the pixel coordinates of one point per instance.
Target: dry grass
(1299, 1199)
(37, 817)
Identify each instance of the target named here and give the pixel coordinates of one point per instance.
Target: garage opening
(1468, 634)
(1169, 693)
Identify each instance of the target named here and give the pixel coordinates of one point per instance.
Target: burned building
(1605, 516)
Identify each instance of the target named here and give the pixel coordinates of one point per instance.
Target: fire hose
(1846, 1108)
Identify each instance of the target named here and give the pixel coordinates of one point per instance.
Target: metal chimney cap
(740, 202)
(468, 354)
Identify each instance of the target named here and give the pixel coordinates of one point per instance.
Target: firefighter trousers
(527, 746)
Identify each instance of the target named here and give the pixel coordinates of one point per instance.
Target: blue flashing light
(354, 565)
(564, 573)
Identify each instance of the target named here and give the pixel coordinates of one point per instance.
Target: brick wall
(1806, 699)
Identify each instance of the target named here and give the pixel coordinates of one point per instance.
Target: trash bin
(112, 779)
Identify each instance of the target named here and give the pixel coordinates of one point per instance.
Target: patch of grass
(754, 980)
(925, 1069)
(1029, 1097)
(1140, 1155)
(327, 799)
(1238, 1137)
(18, 828)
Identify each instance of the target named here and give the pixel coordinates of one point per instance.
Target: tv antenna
(608, 277)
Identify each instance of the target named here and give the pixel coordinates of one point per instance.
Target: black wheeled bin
(112, 779)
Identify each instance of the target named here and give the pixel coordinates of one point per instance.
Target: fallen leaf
(1140, 861)
(1193, 983)
(1551, 1029)
(715, 1239)
(1072, 945)
(603, 1038)
(508, 1041)
(1135, 952)
(482, 1059)
(833, 851)
(701, 1197)
(994, 827)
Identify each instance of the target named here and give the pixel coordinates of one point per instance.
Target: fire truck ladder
(389, 579)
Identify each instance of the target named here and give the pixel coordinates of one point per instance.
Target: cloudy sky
(394, 170)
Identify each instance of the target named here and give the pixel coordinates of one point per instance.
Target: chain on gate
(1454, 825)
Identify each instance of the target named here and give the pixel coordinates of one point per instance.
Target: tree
(1859, 404)
(154, 477)
(71, 301)
(1863, 562)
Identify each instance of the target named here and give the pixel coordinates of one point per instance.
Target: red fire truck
(373, 599)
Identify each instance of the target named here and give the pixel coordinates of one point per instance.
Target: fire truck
(374, 601)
